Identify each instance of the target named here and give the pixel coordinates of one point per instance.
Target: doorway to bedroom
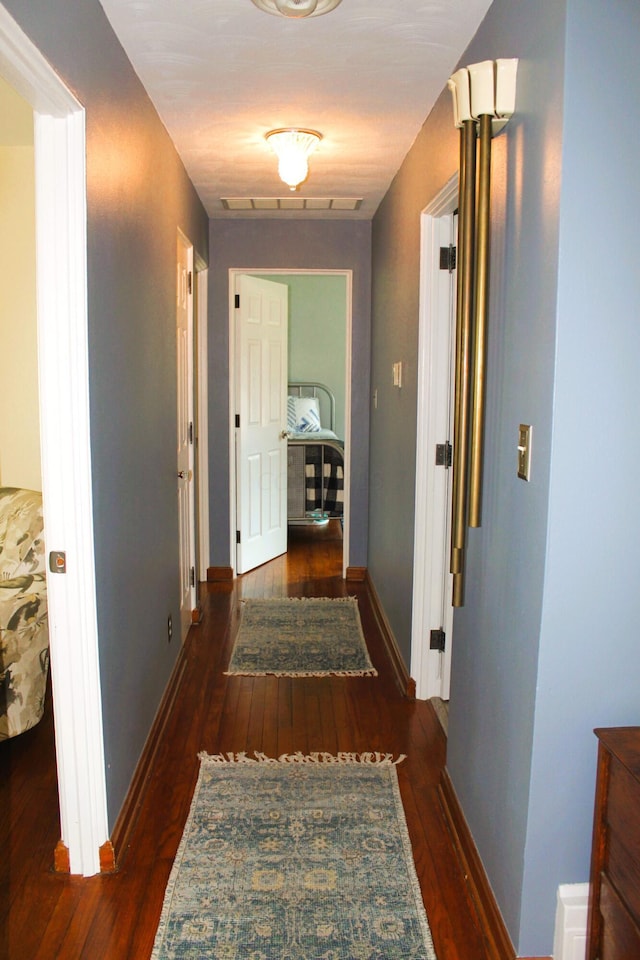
(318, 365)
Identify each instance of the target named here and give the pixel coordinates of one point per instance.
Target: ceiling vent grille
(291, 203)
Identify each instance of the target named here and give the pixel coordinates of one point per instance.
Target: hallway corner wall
(138, 195)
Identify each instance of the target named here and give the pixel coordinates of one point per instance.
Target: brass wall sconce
(483, 101)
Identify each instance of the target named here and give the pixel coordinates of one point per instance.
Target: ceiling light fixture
(293, 147)
(297, 9)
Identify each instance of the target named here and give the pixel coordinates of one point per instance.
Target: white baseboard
(570, 940)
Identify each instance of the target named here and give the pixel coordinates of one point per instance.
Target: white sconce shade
(506, 71)
(293, 148)
(487, 88)
(461, 95)
(482, 88)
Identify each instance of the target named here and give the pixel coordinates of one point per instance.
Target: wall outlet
(397, 374)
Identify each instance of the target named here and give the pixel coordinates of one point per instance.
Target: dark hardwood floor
(44, 915)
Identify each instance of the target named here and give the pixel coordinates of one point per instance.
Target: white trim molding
(431, 608)
(202, 353)
(570, 940)
(64, 426)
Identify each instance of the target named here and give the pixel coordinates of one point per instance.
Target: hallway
(114, 917)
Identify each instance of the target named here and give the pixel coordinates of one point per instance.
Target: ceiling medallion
(297, 9)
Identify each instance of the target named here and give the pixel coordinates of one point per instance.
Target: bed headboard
(307, 388)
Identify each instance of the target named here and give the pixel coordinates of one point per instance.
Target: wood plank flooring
(44, 915)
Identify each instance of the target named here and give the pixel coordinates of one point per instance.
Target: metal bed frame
(297, 513)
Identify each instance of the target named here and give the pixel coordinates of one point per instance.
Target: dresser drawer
(623, 807)
(614, 907)
(621, 936)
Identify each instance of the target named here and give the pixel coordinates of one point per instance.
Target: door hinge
(444, 455)
(237, 536)
(193, 576)
(237, 301)
(448, 258)
(190, 282)
(437, 640)
(237, 419)
(191, 432)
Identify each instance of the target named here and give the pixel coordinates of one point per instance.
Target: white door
(432, 624)
(261, 420)
(185, 459)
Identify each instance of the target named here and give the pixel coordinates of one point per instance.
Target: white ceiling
(222, 73)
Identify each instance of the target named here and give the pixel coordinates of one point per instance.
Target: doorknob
(284, 434)
(182, 474)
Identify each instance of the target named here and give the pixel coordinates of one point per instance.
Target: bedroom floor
(114, 917)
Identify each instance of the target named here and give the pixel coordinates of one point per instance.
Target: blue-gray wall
(138, 195)
(546, 646)
(589, 661)
(280, 245)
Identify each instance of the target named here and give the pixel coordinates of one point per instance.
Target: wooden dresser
(614, 906)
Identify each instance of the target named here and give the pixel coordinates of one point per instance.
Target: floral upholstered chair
(24, 631)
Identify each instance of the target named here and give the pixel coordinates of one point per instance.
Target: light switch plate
(524, 451)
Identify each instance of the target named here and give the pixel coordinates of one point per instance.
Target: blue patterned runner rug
(300, 858)
(300, 637)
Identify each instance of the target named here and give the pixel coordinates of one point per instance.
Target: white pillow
(303, 415)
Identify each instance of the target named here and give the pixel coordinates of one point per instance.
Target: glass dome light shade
(292, 147)
(296, 8)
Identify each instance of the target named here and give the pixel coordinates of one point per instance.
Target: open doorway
(318, 349)
(24, 647)
(61, 280)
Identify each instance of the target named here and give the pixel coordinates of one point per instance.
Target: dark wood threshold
(133, 801)
(404, 682)
(216, 574)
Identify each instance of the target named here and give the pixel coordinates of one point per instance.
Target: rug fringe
(316, 757)
(301, 673)
(348, 599)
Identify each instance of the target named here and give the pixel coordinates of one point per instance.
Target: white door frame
(430, 668)
(186, 616)
(202, 415)
(61, 278)
(348, 275)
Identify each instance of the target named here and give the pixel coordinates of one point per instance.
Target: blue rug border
(318, 758)
(369, 671)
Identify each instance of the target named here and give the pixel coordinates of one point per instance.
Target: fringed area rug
(300, 637)
(300, 858)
